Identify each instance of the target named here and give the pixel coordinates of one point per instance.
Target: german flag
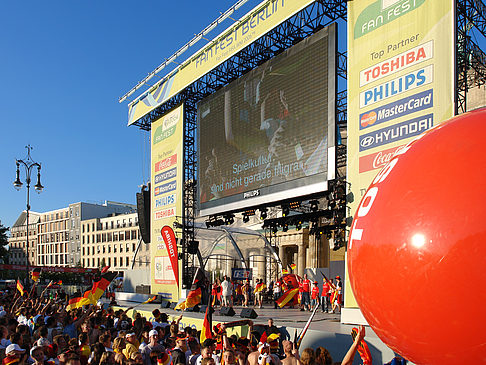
(78, 302)
(259, 287)
(150, 300)
(207, 323)
(286, 297)
(363, 349)
(285, 271)
(10, 360)
(100, 286)
(293, 266)
(193, 298)
(20, 288)
(35, 274)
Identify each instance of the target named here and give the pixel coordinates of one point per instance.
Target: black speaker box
(143, 212)
(248, 313)
(172, 305)
(165, 304)
(192, 247)
(227, 311)
(203, 307)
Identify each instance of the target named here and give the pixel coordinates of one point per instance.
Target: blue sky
(64, 65)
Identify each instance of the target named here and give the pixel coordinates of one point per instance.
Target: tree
(3, 243)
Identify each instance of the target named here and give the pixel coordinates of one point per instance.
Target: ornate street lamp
(29, 165)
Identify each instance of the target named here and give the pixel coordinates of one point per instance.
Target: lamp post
(29, 165)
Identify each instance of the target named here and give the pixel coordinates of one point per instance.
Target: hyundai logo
(367, 141)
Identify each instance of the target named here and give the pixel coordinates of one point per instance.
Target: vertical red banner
(171, 245)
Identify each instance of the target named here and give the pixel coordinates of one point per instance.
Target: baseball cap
(130, 334)
(34, 349)
(153, 333)
(13, 347)
(43, 342)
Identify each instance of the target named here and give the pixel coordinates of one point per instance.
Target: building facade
(83, 211)
(53, 238)
(112, 241)
(18, 239)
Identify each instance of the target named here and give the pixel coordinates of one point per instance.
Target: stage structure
(299, 26)
(307, 18)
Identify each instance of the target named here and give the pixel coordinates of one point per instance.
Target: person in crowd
(308, 357)
(291, 353)
(153, 345)
(179, 352)
(132, 345)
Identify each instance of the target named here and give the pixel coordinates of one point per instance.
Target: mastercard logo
(368, 119)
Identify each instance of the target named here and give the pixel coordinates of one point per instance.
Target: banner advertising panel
(400, 82)
(270, 134)
(166, 201)
(248, 29)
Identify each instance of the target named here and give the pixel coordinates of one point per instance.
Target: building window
(109, 261)
(109, 249)
(121, 247)
(114, 261)
(127, 261)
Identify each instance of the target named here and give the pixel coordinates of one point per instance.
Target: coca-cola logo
(377, 160)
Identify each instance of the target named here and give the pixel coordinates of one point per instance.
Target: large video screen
(269, 135)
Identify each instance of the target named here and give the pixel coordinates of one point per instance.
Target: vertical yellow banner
(166, 194)
(400, 82)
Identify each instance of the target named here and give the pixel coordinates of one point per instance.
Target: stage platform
(325, 330)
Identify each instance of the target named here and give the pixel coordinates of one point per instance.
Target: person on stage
(326, 289)
(277, 292)
(246, 292)
(314, 296)
(305, 293)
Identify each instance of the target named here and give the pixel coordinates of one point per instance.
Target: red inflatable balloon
(417, 247)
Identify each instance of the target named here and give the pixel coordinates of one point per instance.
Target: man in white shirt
(226, 291)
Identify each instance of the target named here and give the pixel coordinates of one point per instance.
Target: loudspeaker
(143, 212)
(192, 247)
(203, 307)
(193, 309)
(173, 305)
(165, 304)
(248, 313)
(227, 311)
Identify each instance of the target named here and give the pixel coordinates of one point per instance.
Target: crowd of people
(227, 292)
(37, 329)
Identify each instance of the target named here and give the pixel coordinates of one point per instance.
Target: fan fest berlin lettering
(231, 40)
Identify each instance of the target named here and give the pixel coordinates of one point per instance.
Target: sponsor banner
(165, 213)
(166, 203)
(401, 60)
(165, 200)
(169, 174)
(396, 132)
(397, 63)
(241, 274)
(171, 245)
(399, 108)
(263, 18)
(165, 188)
(377, 160)
(165, 163)
(410, 81)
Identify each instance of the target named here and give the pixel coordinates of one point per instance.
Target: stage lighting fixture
(298, 226)
(246, 219)
(274, 229)
(294, 205)
(229, 219)
(263, 213)
(285, 227)
(314, 205)
(285, 210)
